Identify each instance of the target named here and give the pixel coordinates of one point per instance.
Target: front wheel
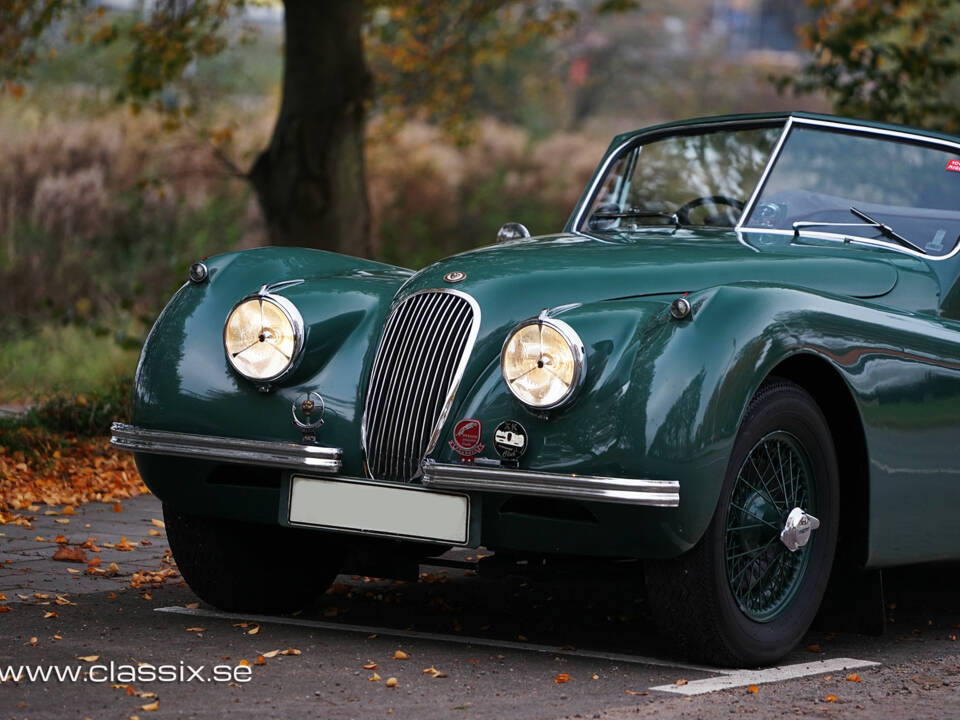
(749, 590)
(245, 567)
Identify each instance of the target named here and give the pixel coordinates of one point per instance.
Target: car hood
(543, 272)
(517, 280)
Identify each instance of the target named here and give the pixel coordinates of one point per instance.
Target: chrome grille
(425, 346)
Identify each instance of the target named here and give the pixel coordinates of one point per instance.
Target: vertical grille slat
(425, 344)
(406, 387)
(401, 363)
(435, 323)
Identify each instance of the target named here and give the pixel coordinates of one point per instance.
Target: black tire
(245, 567)
(692, 598)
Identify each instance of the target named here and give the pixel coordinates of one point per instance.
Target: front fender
(664, 398)
(184, 383)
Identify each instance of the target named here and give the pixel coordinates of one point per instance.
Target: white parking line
(743, 678)
(417, 635)
(722, 679)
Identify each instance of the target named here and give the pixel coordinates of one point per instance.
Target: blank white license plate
(380, 509)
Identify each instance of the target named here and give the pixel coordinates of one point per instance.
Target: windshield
(848, 183)
(697, 179)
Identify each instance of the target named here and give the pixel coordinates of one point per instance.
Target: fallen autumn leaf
(65, 553)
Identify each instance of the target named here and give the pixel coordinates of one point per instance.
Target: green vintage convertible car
(739, 363)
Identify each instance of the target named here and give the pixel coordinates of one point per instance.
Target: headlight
(263, 336)
(543, 363)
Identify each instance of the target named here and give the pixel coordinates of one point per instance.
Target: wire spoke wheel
(775, 477)
(740, 597)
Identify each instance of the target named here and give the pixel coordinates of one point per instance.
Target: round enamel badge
(510, 440)
(466, 439)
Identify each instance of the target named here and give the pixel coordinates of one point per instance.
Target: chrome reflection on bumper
(233, 450)
(652, 493)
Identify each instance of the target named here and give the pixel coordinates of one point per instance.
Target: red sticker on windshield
(954, 165)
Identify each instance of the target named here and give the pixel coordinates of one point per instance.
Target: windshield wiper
(885, 230)
(631, 213)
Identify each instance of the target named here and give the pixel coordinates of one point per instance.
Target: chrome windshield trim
(847, 240)
(225, 449)
(629, 491)
(853, 127)
(647, 136)
(766, 171)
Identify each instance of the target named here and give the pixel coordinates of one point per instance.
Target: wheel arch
(835, 399)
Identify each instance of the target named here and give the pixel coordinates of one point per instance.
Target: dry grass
(107, 212)
(100, 217)
(431, 198)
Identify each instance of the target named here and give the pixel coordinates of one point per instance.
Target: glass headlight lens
(542, 363)
(262, 337)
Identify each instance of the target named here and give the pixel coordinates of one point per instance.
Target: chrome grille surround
(423, 352)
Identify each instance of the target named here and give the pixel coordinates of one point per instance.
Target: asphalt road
(497, 646)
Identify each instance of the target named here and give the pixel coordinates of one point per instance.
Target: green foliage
(896, 60)
(63, 360)
(89, 414)
(125, 271)
(425, 55)
(23, 25)
(42, 429)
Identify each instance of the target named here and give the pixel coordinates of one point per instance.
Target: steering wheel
(683, 212)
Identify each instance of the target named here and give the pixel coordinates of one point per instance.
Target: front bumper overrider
(464, 477)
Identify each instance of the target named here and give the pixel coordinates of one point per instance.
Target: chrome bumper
(652, 493)
(233, 450)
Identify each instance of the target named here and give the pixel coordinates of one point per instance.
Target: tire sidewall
(785, 407)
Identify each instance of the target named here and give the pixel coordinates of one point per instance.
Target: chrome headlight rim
(575, 344)
(292, 315)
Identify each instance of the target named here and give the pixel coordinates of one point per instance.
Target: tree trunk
(310, 181)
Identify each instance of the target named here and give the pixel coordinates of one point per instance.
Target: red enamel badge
(954, 165)
(466, 439)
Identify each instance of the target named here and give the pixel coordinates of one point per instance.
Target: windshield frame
(579, 219)
(788, 122)
(856, 129)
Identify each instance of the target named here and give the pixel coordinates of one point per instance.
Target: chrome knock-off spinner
(797, 529)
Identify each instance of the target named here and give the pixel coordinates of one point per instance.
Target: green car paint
(662, 398)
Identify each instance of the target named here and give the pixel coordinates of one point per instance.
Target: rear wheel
(246, 567)
(748, 591)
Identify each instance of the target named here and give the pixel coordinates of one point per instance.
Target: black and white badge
(510, 440)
